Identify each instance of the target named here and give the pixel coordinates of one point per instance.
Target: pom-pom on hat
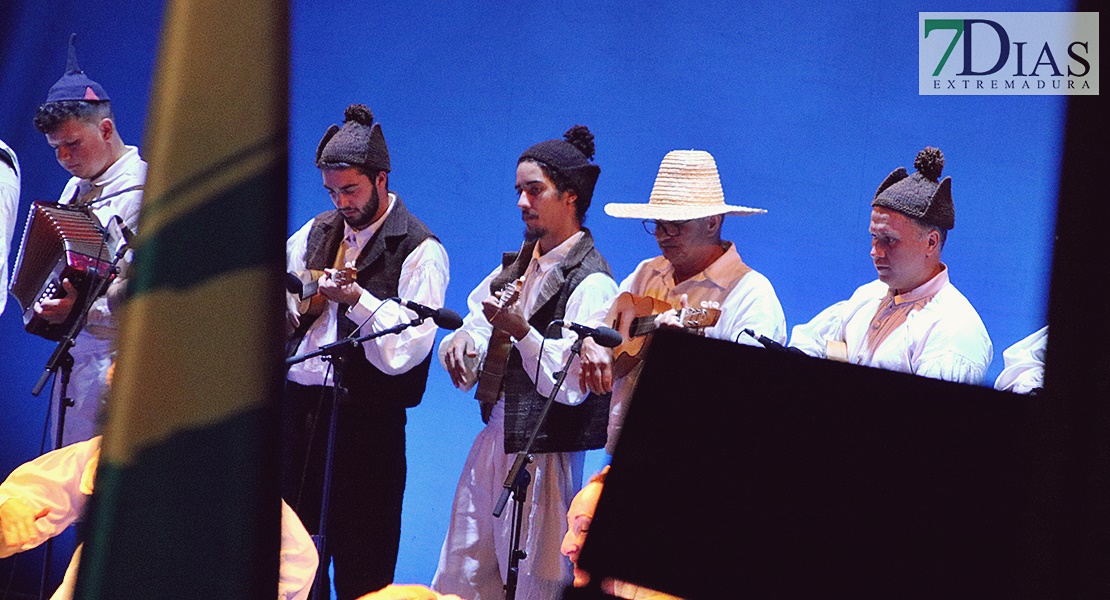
(358, 142)
(686, 187)
(571, 157)
(74, 84)
(920, 195)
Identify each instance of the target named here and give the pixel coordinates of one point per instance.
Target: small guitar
(310, 303)
(836, 350)
(634, 317)
(497, 355)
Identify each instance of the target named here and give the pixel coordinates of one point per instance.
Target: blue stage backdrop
(806, 108)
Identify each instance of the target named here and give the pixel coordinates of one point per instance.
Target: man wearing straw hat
(685, 213)
(911, 319)
(108, 177)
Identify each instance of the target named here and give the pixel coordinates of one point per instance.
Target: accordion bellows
(59, 242)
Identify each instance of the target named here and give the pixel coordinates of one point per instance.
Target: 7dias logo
(1010, 53)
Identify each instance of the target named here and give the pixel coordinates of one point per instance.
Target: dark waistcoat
(567, 428)
(379, 269)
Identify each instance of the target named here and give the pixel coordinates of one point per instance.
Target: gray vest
(567, 428)
(379, 269)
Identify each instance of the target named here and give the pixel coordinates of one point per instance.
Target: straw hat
(687, 187)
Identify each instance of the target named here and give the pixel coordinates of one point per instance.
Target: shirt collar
(556, 254)
(131, 154)
(358, 239)
(721, 272)
(925, 290)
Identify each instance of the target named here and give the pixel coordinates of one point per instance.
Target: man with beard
(562, 276)
(394, 255)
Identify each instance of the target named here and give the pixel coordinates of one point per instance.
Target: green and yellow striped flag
(186, 502)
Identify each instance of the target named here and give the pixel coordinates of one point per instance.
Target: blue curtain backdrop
(806, 107)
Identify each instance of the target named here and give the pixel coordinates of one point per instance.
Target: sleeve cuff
(529, 345)
(366, 306)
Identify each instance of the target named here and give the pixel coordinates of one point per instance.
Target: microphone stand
(518, 479)
(337, 354)
(63, 360)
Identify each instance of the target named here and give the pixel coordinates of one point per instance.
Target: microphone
(120, 233)
(443, 317)
(294, 285)
(604, 336)
(117, 234)
(771, 344)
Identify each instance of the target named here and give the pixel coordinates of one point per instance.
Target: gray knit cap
(919, 195)
(358, 142)
(571, 157)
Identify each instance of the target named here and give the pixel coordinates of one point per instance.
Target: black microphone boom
(771, 344)
(443, 317)
(604, 336)
(294, 285)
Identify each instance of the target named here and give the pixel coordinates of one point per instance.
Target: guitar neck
(642, 326)
(646, 324)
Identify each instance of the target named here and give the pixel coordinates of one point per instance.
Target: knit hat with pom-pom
(359, 142)
(571, 157)
(920, 195)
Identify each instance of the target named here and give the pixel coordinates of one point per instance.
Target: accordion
(59, 242)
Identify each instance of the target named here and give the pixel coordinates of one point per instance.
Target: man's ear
(106, 127)
(715, 223)
(933, 240)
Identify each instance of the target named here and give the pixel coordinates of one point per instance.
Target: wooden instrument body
(493, 367)
(310, 302)
(634, 317)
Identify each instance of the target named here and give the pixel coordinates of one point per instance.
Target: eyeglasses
(669, 228)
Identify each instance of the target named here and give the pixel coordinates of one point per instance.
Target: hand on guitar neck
(676, 316)
(507, 320)
(339, 285)
(637, 316)
(505, 314)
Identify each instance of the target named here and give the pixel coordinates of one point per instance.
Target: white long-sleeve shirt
(1024, 370)
(9, 205)
(63, 480)
(941, 337)
(424, 277)
(117, 196)
(592, 295)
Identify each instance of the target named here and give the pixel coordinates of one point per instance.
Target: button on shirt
(895, 308)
